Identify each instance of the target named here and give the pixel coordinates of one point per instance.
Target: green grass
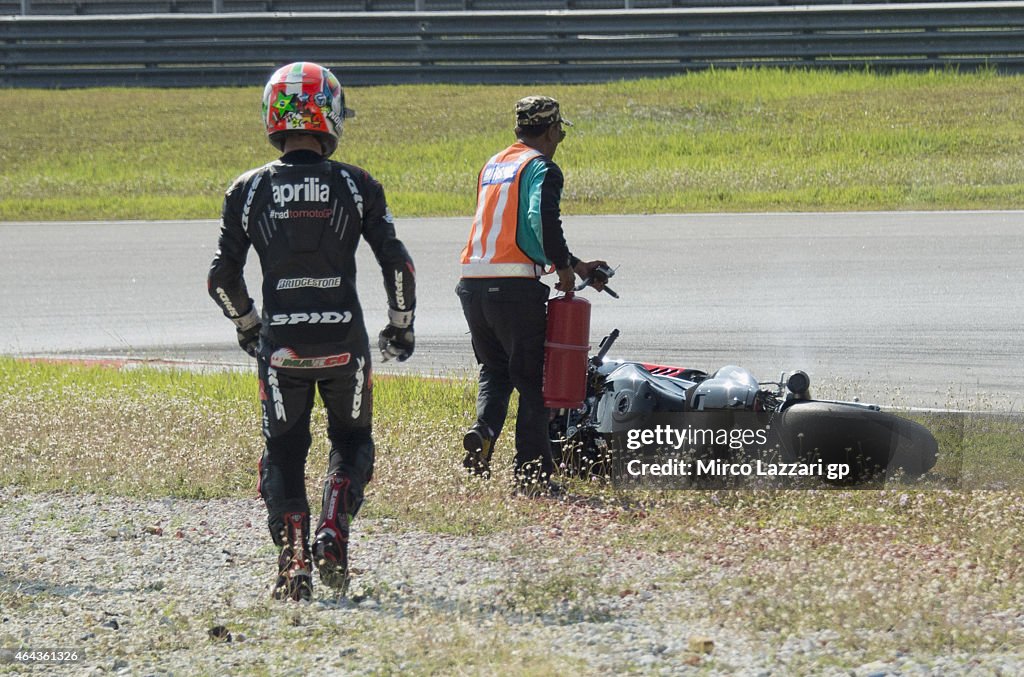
(748, 140)
(151, 432)
(863, 574)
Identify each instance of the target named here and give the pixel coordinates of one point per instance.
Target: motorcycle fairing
(675, 372)
(731, 387)
(631, 393)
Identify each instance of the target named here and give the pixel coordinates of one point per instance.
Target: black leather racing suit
(304, 216)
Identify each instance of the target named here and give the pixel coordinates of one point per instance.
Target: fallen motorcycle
(650, 422)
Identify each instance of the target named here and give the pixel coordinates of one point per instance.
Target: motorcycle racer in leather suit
(304, 215)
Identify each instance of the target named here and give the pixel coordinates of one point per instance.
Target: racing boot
(478, 443)
(330, 549)
(294, 578)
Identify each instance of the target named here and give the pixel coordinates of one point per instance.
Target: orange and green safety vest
(506, 237)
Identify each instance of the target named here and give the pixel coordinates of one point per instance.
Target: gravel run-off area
(174, 586)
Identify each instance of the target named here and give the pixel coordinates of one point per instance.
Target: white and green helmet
(304, 97)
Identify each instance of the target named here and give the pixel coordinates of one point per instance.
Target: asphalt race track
(914, 309)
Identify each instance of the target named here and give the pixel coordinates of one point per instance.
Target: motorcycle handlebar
(606, 345)
(599, 274)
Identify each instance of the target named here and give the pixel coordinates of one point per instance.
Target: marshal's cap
(538, 111)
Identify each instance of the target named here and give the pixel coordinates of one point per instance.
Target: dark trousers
(507, 320)
(287, 402)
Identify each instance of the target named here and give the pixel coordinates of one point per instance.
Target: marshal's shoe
(478, 445)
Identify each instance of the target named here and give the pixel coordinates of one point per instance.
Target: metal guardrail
(64, 7)
(369, 48)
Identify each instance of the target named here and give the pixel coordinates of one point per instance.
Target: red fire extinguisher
(565, 352)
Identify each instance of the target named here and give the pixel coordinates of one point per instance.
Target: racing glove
(398, 339)
(247, 327)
